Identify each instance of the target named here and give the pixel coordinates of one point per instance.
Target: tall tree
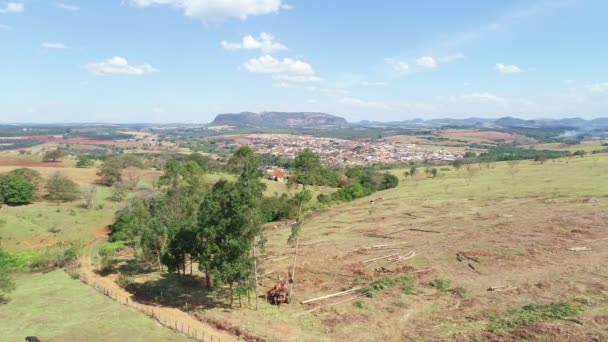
(251, 190)
(301, 199)
(307, 169)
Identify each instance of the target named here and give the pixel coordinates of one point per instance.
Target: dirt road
(174, 318)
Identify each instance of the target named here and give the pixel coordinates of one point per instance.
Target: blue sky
(188, 60)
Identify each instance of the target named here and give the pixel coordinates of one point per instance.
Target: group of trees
(361, 182)
(185, 222)
(111, 171)
(24, 186)
(219, 228)
(53, 156)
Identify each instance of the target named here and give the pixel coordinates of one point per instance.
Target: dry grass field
(516, 223)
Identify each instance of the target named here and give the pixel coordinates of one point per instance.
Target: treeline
(306, 170)
(506, 153)
(17, 144)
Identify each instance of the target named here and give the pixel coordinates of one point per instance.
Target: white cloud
(265, 42)
(507, 69)
(288, 69)
(598, 87)
(287, 7)
(13, 7)
(217, 10)
(421, 63)
(354, 101)
(57, 46)
(157, 110)
(451, 58)
(397, 65)
(5, 27)
(426, 62)
(67, 7)
(120, 66)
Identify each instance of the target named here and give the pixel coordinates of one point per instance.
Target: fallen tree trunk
(341, 293)
(383, 257)
(327, 305)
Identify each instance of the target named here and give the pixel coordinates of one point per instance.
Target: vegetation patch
(406, 283)
(441, 284)
(533, 313)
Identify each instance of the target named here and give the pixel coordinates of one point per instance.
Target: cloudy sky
(187, 60)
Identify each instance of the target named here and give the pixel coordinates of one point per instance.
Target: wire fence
(172, 323)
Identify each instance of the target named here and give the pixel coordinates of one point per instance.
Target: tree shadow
(185, 292)
(134, 267)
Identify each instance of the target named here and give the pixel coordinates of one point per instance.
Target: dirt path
(174, 318)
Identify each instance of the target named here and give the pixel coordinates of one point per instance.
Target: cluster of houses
(339, 151)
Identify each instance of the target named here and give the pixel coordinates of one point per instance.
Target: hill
(504, 122)
(280, 120)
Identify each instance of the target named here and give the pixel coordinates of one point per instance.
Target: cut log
(501, 288)
(424, 230)
(383, 257)
(341, 293)
(579, 249)
(326, 305)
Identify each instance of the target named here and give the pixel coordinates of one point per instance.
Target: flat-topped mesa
(280, 120)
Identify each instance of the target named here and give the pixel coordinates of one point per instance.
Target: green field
(45, 224)
(54, 307)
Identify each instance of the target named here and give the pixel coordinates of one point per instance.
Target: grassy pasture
(55, 307)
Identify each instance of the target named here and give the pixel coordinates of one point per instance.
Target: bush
(15, 190)
(61, 189)
(406, 283)
(324, 199)
(277, 208)
(441, 284)
(111, 248)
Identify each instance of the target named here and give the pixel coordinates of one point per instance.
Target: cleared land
(518, 221)
(55, 307)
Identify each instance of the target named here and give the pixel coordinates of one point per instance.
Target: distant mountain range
(327, 121)
(280, 120)
(507, 122)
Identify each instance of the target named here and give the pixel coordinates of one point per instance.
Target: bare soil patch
(20, 162)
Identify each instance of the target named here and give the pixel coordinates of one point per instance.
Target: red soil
(27, 163)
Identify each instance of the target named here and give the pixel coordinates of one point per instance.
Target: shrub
(15, 190)
(61, 189)
(406, 283)
(111, 248)
(441, 284)
(324, 199)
